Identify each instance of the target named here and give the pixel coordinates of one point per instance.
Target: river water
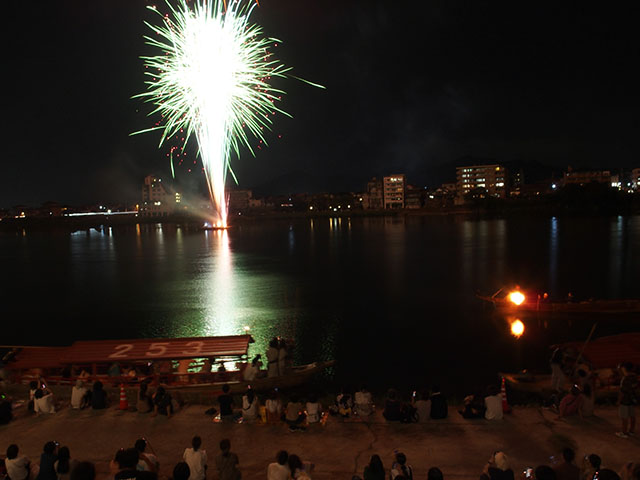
(392, 299)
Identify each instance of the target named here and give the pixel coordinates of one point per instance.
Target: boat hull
(603, 307)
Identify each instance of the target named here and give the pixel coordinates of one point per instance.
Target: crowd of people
(140, 462)
(580, 399)
(135, 463)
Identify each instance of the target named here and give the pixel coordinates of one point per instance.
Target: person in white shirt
(493, 404)
(274, 407)
(272, 359)
(43, 402)
(250, 405)
(252, 370)
(364, 402)
(422, 406)
(79, 398)
(400, 467)
(314, 409)
(196, 458)
(279, 470)
(147, 462)
(18, 468)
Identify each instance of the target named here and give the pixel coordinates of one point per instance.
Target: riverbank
(459, 447)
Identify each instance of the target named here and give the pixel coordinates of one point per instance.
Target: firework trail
(211, 78)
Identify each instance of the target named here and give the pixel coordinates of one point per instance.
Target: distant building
(517, 183)
(584, 177)
(413, 197)
(52, 209)
(481, 180)
(373, 200)
(635, 179)
(157, 201)
(394, 191)
(448, 187)
(239, 200)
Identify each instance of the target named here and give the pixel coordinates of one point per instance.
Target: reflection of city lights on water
(516, 297)
(517, 328)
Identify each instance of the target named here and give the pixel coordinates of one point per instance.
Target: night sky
(410, 86)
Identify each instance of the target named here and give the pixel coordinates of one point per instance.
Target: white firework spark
(211, 78)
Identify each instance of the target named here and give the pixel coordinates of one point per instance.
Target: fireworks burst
(211, 78)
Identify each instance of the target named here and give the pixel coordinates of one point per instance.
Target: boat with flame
(516, 300)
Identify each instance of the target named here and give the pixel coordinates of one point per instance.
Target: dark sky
(410, 85)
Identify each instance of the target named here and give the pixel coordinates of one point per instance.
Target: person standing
(272, 359)
(227, 462)
(627, 399)
(196, 458)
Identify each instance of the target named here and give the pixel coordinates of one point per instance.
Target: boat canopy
(109, 351)
(608, 352)
(37, 357)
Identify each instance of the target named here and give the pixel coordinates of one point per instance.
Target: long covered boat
(515, 301)
(194, 362)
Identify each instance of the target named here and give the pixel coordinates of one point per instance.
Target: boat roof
(37, 357)
(147, 349)
(610, 351)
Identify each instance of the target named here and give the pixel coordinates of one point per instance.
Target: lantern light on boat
(517, 328)
(516, 297)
